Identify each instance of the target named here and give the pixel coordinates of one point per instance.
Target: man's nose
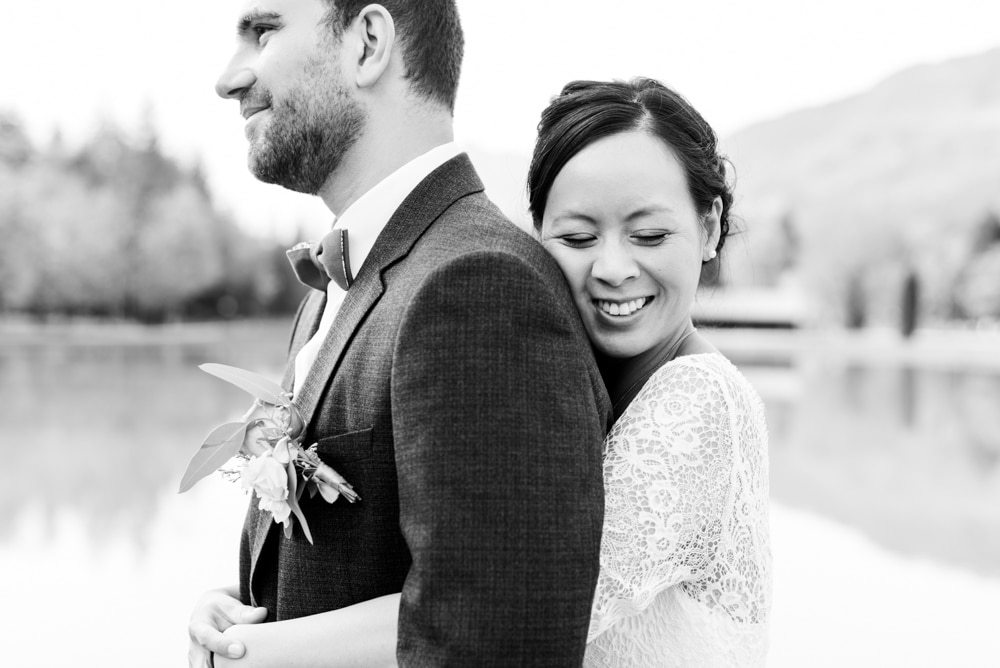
(614, 263)
(236, 78)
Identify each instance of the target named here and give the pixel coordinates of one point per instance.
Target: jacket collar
(444, 186)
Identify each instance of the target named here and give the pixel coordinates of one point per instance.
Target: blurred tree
(176, 253)
(16, 151)
(17, 242)
(72, 263)
(15, 147)
(976, 287)
(783, 254)
(119, 228)
(985, 234)
(978, 290)
(910, 306)
(855, 302)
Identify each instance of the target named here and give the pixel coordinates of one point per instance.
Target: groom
(441, 366)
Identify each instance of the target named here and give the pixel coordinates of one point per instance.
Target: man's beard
(306, 136)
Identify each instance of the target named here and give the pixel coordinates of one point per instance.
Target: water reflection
(96, 433)
(908, 455)
(976, 402)
(105, 429)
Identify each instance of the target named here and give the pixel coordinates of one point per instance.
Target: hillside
(889, 180)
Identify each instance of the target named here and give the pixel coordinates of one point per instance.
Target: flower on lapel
(265, 476)
(270, 425)
(273, 464)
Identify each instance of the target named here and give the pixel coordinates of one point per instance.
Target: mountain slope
(898, 175)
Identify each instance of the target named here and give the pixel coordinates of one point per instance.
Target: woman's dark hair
(586, 111)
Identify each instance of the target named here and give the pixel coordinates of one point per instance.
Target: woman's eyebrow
(570, 214)
(647, 210)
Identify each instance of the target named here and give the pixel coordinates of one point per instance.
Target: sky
(72, 65)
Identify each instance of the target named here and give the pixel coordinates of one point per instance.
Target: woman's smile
(620, 310)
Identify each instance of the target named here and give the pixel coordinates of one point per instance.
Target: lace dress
(685, 559)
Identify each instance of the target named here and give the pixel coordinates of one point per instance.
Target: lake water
(101, 560)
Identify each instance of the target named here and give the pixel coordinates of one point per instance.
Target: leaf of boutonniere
(293, 500)
(219, 447)
(330, 494)
(258, 386)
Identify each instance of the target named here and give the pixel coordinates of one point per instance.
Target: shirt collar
(367, 217)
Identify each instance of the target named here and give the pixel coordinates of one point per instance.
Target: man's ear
(376, 35)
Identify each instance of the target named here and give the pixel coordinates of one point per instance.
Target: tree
(117, 227)
(855, 302)
(15, 147)
(986, 233)
(977, 293)
(910, 307)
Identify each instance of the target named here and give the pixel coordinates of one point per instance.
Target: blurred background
(862, 299)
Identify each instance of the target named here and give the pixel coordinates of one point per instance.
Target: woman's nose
(236, 78)
(614, 264)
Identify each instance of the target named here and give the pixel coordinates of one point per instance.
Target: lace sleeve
(667, 476)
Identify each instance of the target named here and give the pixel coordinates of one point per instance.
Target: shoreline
(775, 349)
(90, 331)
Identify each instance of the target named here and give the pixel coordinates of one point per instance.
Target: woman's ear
(376, 35)
(713, 228)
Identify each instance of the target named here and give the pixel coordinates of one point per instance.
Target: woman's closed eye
(578, 240)
(649, 237)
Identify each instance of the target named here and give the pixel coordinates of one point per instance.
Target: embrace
(554, 467)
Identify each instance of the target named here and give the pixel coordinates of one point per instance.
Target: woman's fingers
(215, 612)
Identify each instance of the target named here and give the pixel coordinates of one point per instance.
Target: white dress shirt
(364, 220)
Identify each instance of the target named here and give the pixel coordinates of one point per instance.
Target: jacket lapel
(444, 186)
(306, 324)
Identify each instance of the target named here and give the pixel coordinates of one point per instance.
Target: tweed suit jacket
(457, 392)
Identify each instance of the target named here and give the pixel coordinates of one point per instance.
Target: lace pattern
(685, 559)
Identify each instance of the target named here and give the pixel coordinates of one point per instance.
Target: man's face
(300, 116)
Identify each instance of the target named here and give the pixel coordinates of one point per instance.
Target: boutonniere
(267, 446)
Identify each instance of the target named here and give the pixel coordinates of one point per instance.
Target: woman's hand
(363, 634)
(216, 611)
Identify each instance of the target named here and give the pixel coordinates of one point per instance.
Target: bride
(629, 194)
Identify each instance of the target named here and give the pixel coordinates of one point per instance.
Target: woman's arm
(667, 474)
(359, 635)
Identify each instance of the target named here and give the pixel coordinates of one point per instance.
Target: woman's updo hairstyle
(586, 111)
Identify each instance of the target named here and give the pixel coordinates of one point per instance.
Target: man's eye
(262, 31)
(577, 240)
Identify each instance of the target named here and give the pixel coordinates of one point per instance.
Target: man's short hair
(431, 37)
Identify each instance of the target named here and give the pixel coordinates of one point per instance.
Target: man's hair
(430, 35)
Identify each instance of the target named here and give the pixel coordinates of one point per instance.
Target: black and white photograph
(434, 333)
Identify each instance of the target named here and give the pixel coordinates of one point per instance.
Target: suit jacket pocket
(342, 448)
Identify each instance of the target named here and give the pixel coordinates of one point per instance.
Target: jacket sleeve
(498, 451)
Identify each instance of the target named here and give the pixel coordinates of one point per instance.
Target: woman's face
(621, 224)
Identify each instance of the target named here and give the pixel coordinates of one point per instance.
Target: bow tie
(316, 265)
